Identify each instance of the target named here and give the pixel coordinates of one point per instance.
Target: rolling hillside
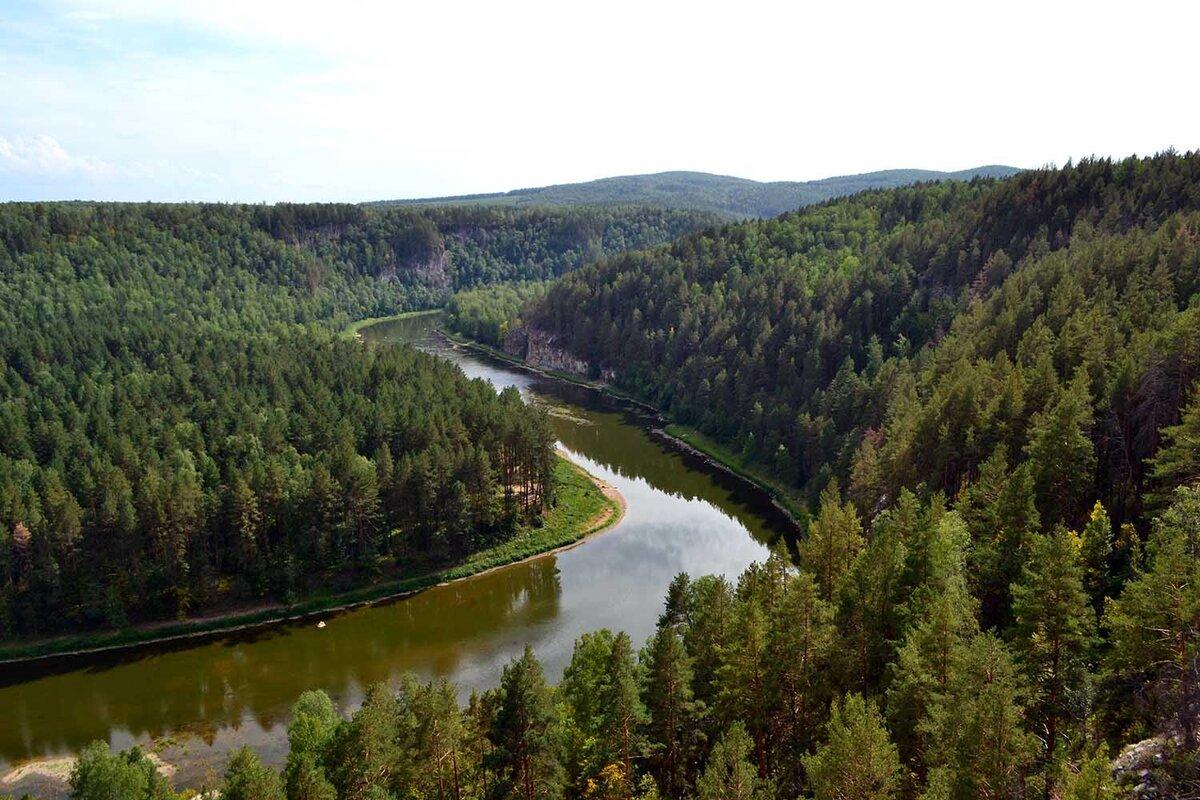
(721, 194)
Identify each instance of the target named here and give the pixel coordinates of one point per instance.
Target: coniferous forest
(987, 392)
(984, 393)
(1039, 330)
(181, 428)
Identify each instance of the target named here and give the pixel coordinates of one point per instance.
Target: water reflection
(202, 700)
(251, 679)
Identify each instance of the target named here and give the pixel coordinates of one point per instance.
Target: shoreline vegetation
(547, 541)
(787, 501)
(354, 329)
(586, 506)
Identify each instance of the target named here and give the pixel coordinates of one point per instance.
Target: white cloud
(302, 100)
(43, 155)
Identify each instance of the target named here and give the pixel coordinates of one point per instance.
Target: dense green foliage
(718, 194)
(182, 430)
(1043, 325)
(880, 685)
(1002, 377)
(487, 314)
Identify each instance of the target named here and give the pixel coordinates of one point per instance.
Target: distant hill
(721, 194)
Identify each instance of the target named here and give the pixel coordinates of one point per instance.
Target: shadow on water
(198, 700)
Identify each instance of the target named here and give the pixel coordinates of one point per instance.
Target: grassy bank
(581, 509)
(354, 327)
(786, 497)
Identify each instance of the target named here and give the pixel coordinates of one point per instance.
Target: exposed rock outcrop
(429, 270)
(1156, 769)
(544, 351)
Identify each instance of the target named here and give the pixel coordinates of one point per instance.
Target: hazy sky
(256, 100)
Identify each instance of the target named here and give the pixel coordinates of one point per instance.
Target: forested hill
(181, 428)
(1040, 328)
(718, 194)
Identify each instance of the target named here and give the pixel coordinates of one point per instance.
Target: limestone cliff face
(428, 269)
(543, 350)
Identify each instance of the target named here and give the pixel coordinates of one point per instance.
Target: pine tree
(710, 624)
(361, 507)
(729, 774)
(1062, 457)
(246, 520)
(673, 713)
(1155, 622)
(923, 668)
(834, 539)
(624, 715)
(1177, 462)
(1095, 551)
(870, 604)
(601, 687)
(1000, 511)
(675, 612)
(801, 640)
(100, 774)
(364, 753)
(582, 690)
(247, 778)
(741, 678)
(1055, 626)
(526, 734)
(1093, 780)
(440, 764)
(941, 618)
(858, 758)
(977, 749)
(314, 722)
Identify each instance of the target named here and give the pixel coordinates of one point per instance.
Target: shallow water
(195, 702)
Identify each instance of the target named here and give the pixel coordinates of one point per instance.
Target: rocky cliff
(543, 350)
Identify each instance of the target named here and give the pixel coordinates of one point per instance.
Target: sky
(258, 100)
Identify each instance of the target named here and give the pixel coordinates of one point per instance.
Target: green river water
(193, 703)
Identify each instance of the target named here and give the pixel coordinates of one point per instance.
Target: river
(193, 703)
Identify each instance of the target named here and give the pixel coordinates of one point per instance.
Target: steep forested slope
(718, 194)
(180, 425)
(913, 336)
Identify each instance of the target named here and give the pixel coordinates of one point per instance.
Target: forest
(869, 671)
(487, 314)
(1041, 328)
(729, 197)
(182, 429)
(986, 392)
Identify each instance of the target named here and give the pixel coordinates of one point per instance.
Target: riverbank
(352, 330)
(585, 505)
(50, 778)
(681, 436)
